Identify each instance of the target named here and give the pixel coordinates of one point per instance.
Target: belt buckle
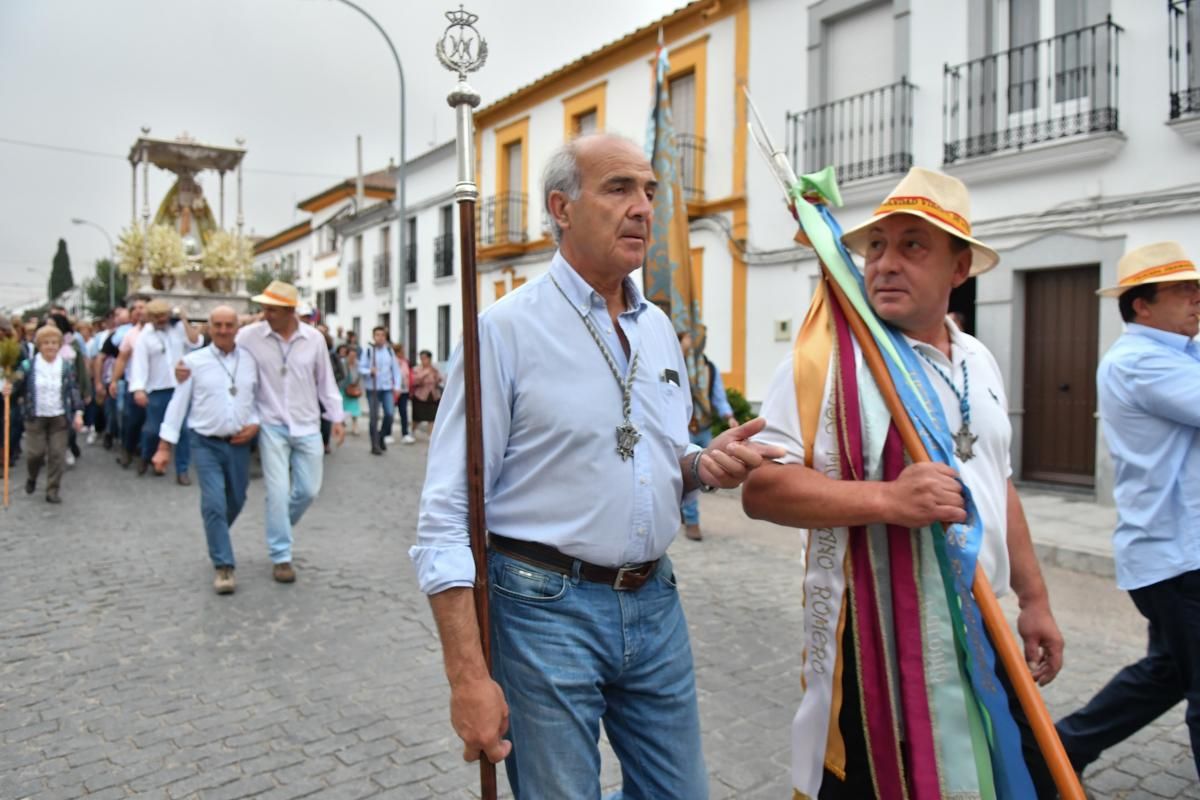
(621, 573)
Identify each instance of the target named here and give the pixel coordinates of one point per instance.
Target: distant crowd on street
(155, 388)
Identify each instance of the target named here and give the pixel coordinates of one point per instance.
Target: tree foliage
(60, 272)
(261, 277)
(97, 288)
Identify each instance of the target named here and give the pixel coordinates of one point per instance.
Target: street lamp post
(112, 260)
(400, 179)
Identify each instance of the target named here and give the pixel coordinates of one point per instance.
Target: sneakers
(91, 437)
(30, 485)
(52, 497)
(70, 459)
(283, 573)
(224, 583)
(693, 532)
(389, 440)
(408, 439)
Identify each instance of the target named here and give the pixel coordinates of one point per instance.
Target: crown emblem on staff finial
(461, 49)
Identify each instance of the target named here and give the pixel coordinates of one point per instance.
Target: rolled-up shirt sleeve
(783, 419)
(442, 554)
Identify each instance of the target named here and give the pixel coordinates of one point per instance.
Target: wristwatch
(704, 487)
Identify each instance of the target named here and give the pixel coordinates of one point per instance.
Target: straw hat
(278, 293)
(157, 306)
(938, 199)
(1154, 263)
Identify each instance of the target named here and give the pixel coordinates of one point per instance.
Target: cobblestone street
(122, 674)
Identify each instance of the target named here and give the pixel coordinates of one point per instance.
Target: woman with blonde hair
(52, 406)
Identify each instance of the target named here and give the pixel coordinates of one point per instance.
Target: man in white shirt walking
(216, 404)
(152, 381)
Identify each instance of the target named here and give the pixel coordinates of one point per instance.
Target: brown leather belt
(628, 578)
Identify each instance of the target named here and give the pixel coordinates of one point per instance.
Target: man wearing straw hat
(884, 698)
(295, 380)
(1148, 387)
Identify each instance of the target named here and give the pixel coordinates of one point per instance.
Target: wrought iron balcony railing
(383, 271)
(863, 135)
(356, 276)
(1183, 55)
(1050, 89)
(410, 262)
(691, 166)
(443, 255)
(502, 219)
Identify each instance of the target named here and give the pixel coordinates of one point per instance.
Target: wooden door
(1061, 340)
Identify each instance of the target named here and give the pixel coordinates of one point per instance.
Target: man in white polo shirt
(917, 248)
(221, 422)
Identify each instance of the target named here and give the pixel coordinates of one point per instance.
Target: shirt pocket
(673, 411)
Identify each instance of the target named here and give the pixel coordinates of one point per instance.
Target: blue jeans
(402, 413)
(223, 471)
(112, 417)
(569, 654)
(691, 508)
(292, 471)
(377, 398)
(132, 420)
(1147, 689)
(156, 409)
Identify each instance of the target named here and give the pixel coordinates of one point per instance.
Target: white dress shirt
(214, 410)
(155, 354)
(49, 376)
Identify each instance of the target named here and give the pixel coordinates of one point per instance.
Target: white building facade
(424, 313)
(1074, 123)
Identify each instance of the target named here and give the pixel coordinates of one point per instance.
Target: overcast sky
(298, 79)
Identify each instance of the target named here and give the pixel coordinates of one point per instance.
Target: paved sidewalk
(123, 675)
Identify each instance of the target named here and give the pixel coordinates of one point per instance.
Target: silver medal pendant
(627, 439)
(964, 443)
(283, 370)
(233, 391)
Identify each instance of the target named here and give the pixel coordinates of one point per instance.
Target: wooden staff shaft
(1006, 645)
(476, 520)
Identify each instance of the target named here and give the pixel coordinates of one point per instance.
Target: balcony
(691, 166)
(1047, 92)
(502, 220)
(356, 277)
(383, 271)
(1183, 56)
(410, 262)
(863, 136)
(443, 255)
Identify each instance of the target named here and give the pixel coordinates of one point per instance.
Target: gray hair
(562, 174)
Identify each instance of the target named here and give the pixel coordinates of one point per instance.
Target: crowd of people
(120, 392)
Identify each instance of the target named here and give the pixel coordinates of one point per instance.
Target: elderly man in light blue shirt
(585, 406)
(1149, 394)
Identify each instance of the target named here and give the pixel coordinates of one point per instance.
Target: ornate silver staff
(462, 50)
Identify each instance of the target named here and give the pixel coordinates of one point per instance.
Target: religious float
(186, 255)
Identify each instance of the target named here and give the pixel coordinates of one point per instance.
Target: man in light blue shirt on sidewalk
(383, 382)
(1149, 395)
(585, 413)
